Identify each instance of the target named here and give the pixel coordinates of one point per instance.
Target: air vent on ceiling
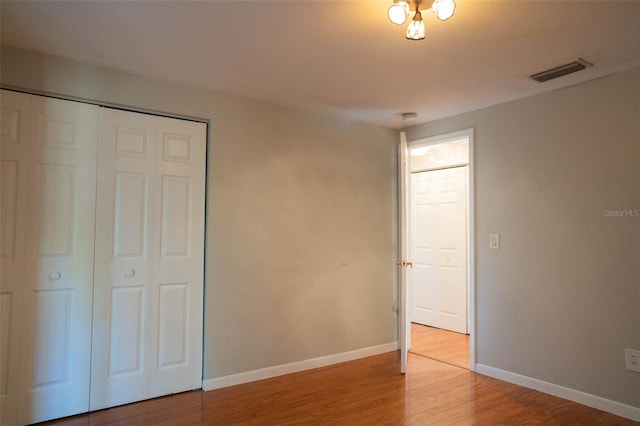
(556, 72)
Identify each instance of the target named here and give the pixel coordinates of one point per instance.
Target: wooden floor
(369, 391)
(441, 345)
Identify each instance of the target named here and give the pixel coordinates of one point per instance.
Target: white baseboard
(294, 367)
(613, 407)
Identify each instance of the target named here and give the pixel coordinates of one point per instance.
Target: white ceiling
(341, 57)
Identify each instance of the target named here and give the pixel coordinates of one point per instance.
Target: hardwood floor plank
(368, 391)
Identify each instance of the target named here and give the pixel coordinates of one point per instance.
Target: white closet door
(123, 268)
(14, 154)
(439, 248)
(149, 258)
(58, 281)
(177, 300)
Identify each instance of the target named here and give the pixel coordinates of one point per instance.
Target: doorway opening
(439, 245)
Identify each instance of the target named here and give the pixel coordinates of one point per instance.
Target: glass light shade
(443, 9)
(416, 27)
(398, 12)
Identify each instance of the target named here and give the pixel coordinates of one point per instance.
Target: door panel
(173, 325)
(8, 197)
(403, 313)
(51, 363)
(179, 258)
(176, 216)
(14, 152)
(124, 240)
(58, 281)
(149, 258)
(126, 326)
(439, 252)
(130, 215)
(56, 210)
(423, 206)
(6, 312)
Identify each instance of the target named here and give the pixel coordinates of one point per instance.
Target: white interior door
(123, 268)
(58, 274)
(14, 157)
(149, 258)
(439, 248)
(179, 257)
(403, 313)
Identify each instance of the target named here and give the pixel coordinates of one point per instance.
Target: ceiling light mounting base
(409, 116)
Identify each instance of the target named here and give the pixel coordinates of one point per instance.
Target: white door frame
(403, 225)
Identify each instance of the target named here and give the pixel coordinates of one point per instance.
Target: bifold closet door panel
(179, 257)
(122, 349)
(76, 334)
(14, 156)
(58, 274)
(147, 338)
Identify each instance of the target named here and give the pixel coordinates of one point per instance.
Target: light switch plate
(494, 241)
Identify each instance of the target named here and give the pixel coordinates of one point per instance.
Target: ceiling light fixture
(400, 9)
(415, 30)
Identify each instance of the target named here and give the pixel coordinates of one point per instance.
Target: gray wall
(300, 217)
(560, 300)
